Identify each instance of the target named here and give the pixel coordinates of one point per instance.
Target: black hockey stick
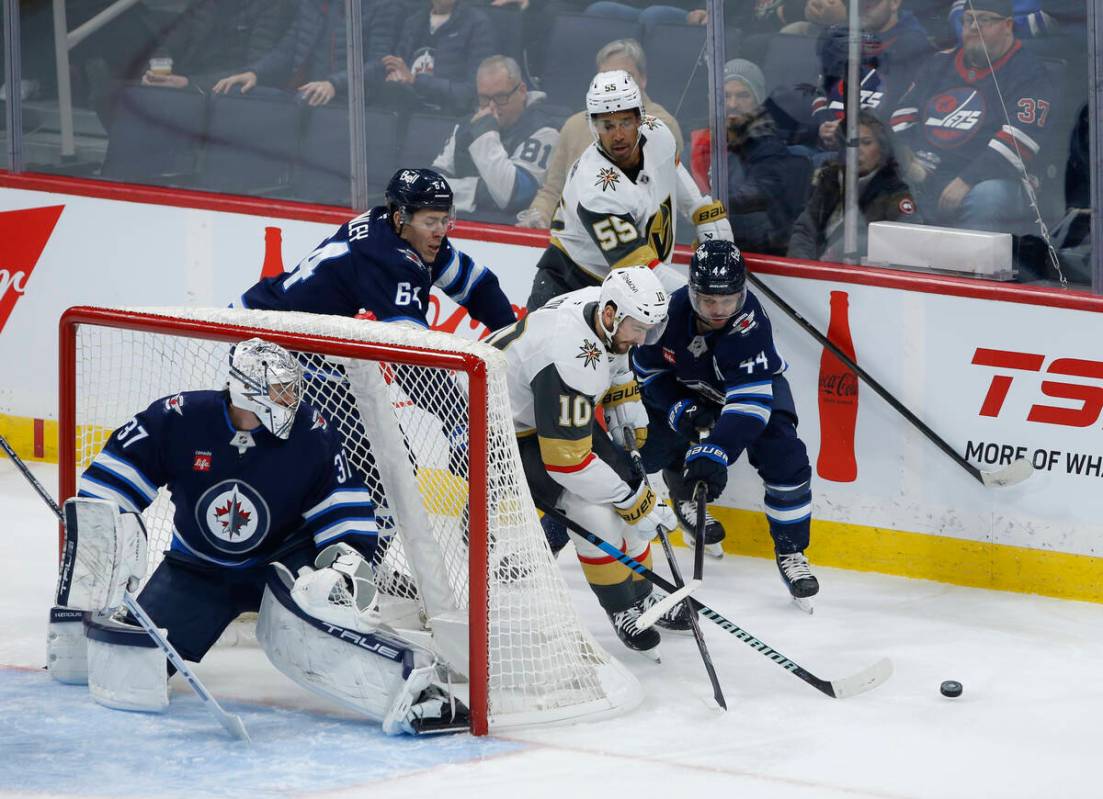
(231, 723)
(699, 496)
(861, 682)
(1009, 475)
(676, 574)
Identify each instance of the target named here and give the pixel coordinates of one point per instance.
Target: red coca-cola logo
(455, 322)
(23, 237)
(843, 385)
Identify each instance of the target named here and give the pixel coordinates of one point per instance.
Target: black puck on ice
(950, 688)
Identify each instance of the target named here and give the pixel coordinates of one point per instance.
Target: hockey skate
(686, 512)
(676, 619)
(436, 713)
(798, 578)
(646, 642)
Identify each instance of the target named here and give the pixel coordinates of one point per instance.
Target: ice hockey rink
(1026, 725)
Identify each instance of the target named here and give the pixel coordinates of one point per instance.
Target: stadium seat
(507, 30)
(792, 71)
(425, 137)
(322, 173)
(252, 142)
(155, 135)
(574, 39)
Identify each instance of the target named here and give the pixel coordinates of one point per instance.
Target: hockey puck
(950, 688)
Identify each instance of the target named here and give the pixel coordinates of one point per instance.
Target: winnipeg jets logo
(697, 347)
(954, 117)
(175, 404)
(744, 324)
(412, 257)
(589, 353)
(319, 421)
(232, 516)
(607, 178)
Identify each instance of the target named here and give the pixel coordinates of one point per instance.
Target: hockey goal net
(463, 566)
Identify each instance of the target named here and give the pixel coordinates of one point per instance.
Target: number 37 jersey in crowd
(238, 495)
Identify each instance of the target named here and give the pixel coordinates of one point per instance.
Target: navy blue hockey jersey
(366, 266)
(732, 368)
(953, 119)
(239, 496)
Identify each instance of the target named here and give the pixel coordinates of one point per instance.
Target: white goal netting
(406, 429)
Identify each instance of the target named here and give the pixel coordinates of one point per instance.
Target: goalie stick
(865, 680)
(231, 723)
(1007, 476)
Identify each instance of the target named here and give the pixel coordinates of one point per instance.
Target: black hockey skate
(676, 619)
(798, 578)
(686, 513)
(646, 642)
(438, 714)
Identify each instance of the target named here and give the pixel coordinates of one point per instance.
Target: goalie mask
(717, 282)
(637, 293)
(267, 381)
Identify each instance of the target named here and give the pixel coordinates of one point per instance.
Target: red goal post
(451, 526)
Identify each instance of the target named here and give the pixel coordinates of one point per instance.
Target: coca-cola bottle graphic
(838, 399)
(273, 253)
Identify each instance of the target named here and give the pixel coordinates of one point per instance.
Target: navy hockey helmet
(717, 281)
(410, 190)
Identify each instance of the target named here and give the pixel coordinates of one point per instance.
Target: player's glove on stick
(712, 222)
(708, 464)
(644, 513)
(624, 410)
(686, 417)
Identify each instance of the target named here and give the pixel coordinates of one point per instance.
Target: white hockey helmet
(265, 379)
(611, 91)
(636, 292)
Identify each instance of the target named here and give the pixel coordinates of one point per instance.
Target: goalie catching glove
(644, 513)
(105, 555)
(340, 589)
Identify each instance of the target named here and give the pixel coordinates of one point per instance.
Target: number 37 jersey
(606, 220)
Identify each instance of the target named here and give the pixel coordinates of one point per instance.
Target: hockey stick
(652, 615)
(1009, 475)
(865, 680)
(699, 545)
(681, 595)
(231, 723)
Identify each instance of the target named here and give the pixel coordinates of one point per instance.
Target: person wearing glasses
(383, 263)
(977, 120)
(496, 161)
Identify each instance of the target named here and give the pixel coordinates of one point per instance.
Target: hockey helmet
(636, 292)
(612, 91)
(410, 190)
(717, 280)
(265, 379)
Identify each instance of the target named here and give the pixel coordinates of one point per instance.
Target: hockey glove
(624, 411)
(712, 222)
(708, 464)
(686, 417)
(644, 514)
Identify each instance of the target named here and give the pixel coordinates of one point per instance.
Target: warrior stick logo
(24, 235)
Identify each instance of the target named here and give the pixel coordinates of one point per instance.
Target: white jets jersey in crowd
(606, 220)
(558, 371)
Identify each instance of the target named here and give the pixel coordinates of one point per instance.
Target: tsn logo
(1089, 397)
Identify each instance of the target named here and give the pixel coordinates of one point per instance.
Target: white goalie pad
(126, 669)
(66, 646)
(372, 673)
(105, 553)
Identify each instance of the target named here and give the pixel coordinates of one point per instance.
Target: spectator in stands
(497, 159)
(212, 38)
(894, 46)
(816, 16)
(647, 15)
(433, 66)
(575, 135)
(1031, 19)
(311, 57)
(744, 93)
(975, 119)
(882, 196)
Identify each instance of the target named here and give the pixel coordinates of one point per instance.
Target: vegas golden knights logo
(660, 230)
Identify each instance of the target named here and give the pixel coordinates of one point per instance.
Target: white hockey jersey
(606, 220)
(559, 370)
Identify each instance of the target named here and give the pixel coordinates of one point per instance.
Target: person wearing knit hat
(1001, 8)
(741, 71)
(1031, 20)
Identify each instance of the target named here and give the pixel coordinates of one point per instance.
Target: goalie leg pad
(126, 670)
(67, 647)
(105, 553)
(372, 673)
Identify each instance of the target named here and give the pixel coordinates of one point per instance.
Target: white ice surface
(1026, 726)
